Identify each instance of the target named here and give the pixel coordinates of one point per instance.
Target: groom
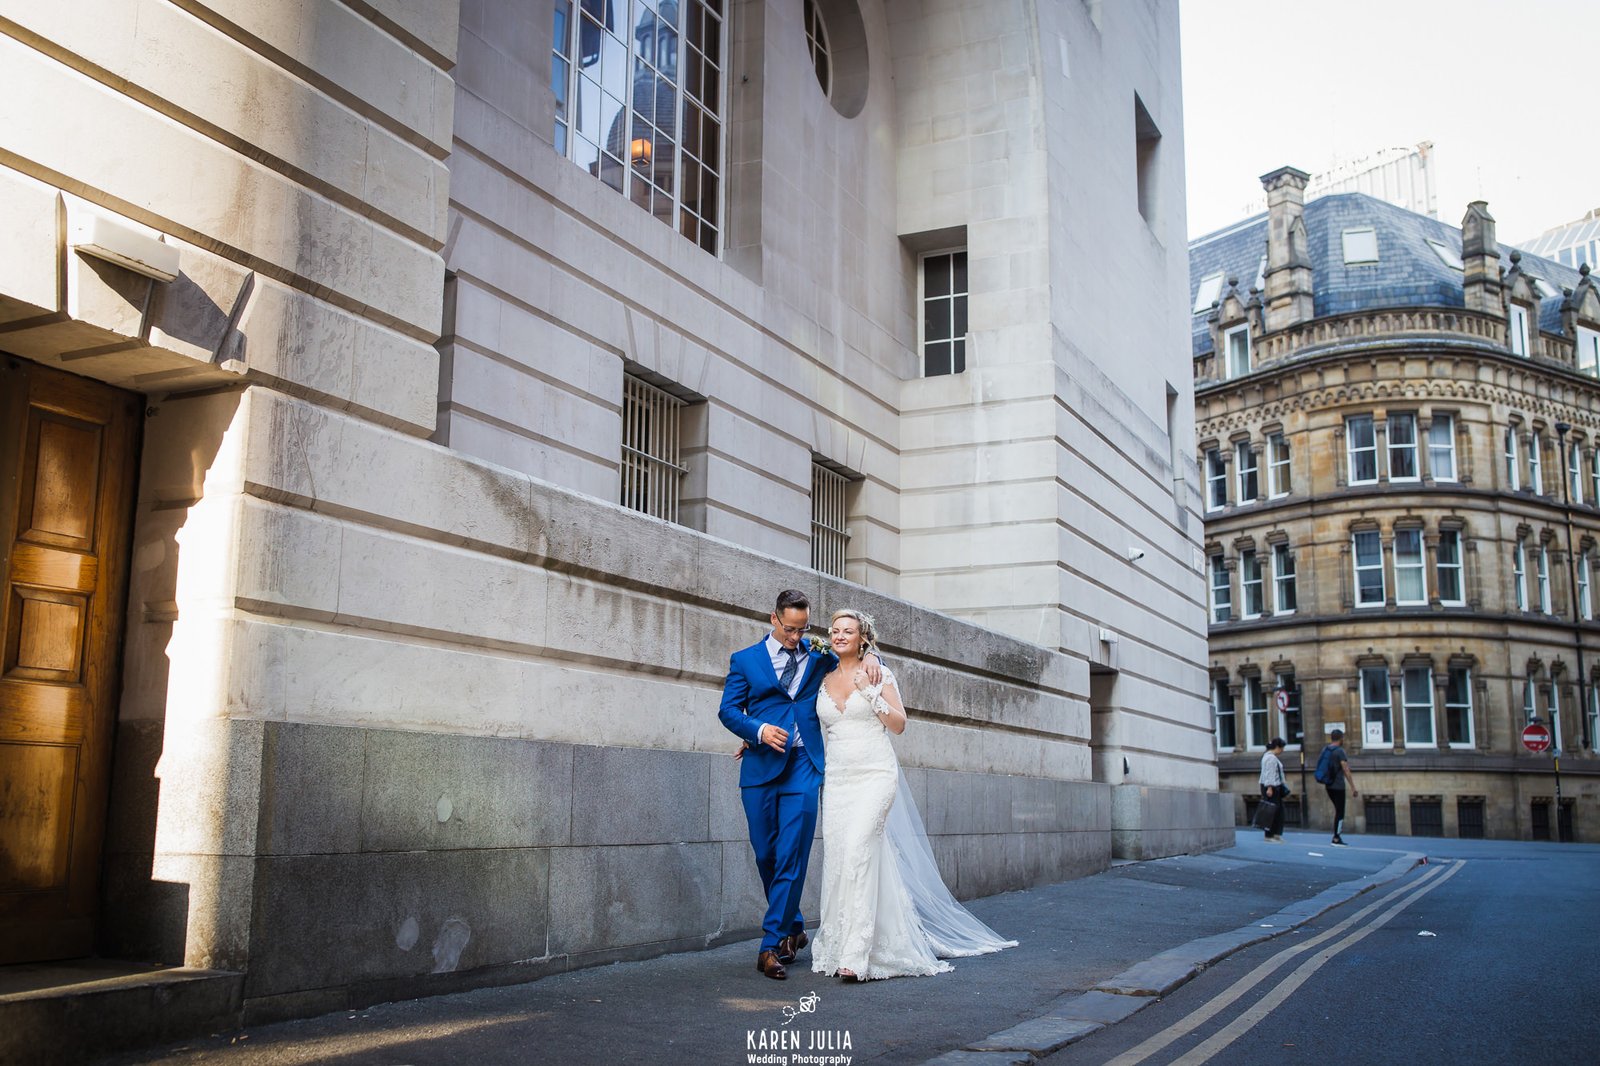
(770, 702)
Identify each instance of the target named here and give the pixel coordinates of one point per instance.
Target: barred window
(638, 95)
(652, 466)
(829, 515)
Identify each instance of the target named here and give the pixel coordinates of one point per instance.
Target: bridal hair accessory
(869, 630)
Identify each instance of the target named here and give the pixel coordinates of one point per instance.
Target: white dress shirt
(780, 660)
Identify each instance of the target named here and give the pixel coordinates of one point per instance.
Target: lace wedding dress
(885, 909)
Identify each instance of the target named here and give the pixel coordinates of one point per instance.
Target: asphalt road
(1509, 974)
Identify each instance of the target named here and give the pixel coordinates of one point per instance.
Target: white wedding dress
(885, 909)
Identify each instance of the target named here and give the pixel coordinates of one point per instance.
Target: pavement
(1092, 951)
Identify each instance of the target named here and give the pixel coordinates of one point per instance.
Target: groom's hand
(874, 668)
(774, 737)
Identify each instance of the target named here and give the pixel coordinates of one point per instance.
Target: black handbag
(1266, 811)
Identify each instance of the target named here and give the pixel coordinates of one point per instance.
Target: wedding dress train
(885, 909)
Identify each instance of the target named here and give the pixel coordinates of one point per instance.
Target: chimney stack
(1480, 261)
(1288, 297)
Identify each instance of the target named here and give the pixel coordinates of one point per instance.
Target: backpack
(1325, 771)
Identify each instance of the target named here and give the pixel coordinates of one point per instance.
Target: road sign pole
(1557, 826)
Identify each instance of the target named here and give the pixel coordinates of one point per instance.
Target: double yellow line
(1207, 1049)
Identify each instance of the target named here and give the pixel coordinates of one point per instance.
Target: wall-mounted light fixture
(641, 150)
(119, 243)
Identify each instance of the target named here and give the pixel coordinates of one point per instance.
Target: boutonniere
(819, 645)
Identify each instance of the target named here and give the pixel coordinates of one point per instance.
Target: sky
(1504, 89)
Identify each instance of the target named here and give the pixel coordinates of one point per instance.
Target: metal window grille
(829, 515)
(1427, 818)
(1469, 819)
(652, 472)
(1380, 815)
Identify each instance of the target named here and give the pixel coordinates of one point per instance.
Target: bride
(885, 909)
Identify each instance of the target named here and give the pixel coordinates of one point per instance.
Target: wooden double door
(67, 469)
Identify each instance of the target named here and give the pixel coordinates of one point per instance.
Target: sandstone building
(408, 407)
(1399, 433)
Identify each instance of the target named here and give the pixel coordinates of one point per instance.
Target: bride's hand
(862, 681)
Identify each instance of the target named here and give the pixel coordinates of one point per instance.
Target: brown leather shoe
(791, 945)
(767, 962)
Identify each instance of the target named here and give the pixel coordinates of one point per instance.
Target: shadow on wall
(146, 915)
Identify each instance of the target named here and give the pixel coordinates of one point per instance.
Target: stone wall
(430, 716)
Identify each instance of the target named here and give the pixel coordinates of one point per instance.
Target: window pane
(958, 269)
(960, 304)
(1375, 686)
(936, 359)
(958, 356)
(936, 320)
(936, 276)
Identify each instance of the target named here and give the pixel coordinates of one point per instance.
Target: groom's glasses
(793, 631)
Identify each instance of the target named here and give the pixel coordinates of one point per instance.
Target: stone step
(73, 1020)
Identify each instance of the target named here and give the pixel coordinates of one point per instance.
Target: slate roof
(1408, 273)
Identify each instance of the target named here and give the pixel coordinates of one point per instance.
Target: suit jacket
(752, 697)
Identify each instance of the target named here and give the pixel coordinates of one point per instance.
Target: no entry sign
(1536, 738)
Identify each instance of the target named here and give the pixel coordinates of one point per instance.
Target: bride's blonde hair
(869, 633)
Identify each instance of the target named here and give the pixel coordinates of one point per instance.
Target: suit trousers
(782, 816)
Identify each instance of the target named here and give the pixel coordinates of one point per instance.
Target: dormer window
(1588, 352)
(1208, 292)
(1360, 245)
(1447, 255)
(1237, 344)
(1517, 330)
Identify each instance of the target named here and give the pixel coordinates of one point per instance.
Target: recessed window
(1208, 292)
(1530, 709)
(1517, 330)
(638, 95)
(1361, 450)
(1575, 471)
(817, 42)
(1147, 159)
(1514, 463)
(1369, 568)
(1519, 574)
(652, 447)
(1247, 474)
(1251, 586)
(1588, 352)
(1585, 601)
(1216, 480)
(1449, 569)
(1284, 595)
(1536, 463)
(1290, 726)
(1255, 710)
(1410, 573)
(1442, 448)
(1416, 693)
(830, 532)
(1221, 591)
(1403, 447)
(1544, 579)
(1376, 710)
(1361, 245)
(944, 313)
(1458, 707)
(1545, 289)
(1278, 483)
(1237, 343)
(1222, 705)
(1447, 255)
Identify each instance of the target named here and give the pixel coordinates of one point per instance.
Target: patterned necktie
(791, 669)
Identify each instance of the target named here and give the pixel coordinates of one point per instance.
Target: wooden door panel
(66, 479)
(48, 630)
(61, 487)
(35, 809)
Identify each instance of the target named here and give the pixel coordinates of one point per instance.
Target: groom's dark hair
(791, 600)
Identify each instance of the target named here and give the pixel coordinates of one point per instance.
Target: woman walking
(1273, 788)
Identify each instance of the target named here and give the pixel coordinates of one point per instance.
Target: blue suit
(779, 790)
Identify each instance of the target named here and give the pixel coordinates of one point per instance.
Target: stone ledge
(72, 1023)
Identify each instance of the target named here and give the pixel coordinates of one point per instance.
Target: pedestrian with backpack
(1333, 771)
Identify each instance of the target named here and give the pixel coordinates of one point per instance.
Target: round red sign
(1536, 738)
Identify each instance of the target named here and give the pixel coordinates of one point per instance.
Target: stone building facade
(1399, 434)
(408, 407)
